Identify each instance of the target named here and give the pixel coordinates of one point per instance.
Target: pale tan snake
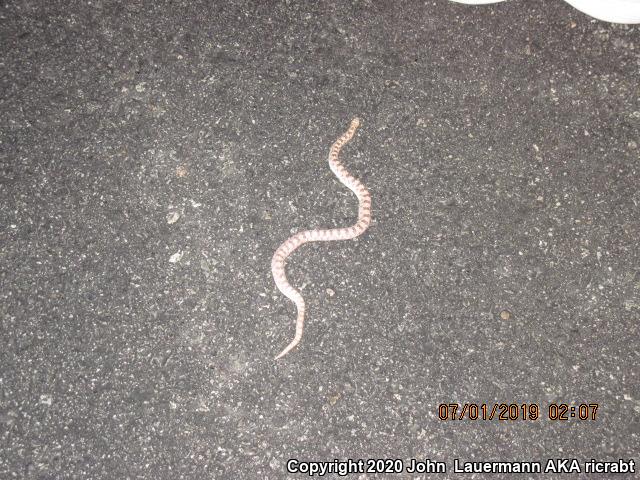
(300, 238)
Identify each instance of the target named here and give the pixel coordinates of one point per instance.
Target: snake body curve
(321, 235)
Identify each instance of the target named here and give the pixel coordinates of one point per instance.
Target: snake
(278, 261)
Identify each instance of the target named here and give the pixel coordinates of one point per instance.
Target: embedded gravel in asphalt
(154, 155)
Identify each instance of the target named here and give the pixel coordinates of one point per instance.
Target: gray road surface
(154, 154)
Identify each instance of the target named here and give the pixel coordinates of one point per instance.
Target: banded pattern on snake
(300, 238)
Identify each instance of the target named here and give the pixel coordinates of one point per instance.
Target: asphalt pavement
(155, 154)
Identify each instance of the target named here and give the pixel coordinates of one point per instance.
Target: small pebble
(176, 257)
(173, 217)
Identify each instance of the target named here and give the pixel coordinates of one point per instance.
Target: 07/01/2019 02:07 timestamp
(516, 411)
